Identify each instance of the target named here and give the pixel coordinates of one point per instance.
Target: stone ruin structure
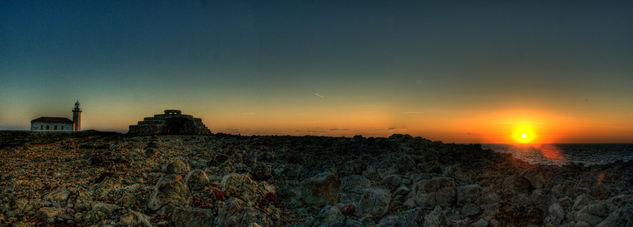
(172, 122)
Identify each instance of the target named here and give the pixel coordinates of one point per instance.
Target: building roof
(52, 120)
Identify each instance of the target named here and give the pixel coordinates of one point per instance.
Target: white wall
(35, 126)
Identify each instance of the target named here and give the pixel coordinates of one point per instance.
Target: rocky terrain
(97, 179)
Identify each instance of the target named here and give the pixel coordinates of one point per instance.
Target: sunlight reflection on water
(560, 154)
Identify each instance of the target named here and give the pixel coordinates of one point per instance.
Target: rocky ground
(86, 179)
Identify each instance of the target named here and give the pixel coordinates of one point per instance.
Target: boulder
(190, 216)
(262, 171)
(352, 167)
(329, 216)
(133, 196)
(57, 197)
(599, 192)
(170, 190)
(177, 167)
(252, 217)
(197, 179)
(100, 211)
(391, 220)
(520, 184)
(133, 218)
(236, 212)
(593, 213)
(83, 201)
(536, 178)
(375, 202)
(392, 181)
(437, 191)
(582, 224)
(353, 187)
(240, 186)
(581, 201)
(468, 193)
(49, 214)
(620, 217)
(470, 209)
(323, 188)
(230, 213)
(519, 213)
(480, 223)
(435, 218)
(556, 214)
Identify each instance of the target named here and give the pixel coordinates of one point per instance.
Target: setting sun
(523, 134)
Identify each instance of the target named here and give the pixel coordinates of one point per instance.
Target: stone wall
(170, 123)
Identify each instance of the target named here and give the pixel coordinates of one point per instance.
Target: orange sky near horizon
(459, 127)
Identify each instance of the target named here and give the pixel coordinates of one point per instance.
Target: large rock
(435, 218)
(170, 190)
(49, 213)
(83, 201)
(57, 197)
(323, 188)
(581, 201)
(556, 214)
(330, 216)
(480, 223)
(230, 214)
(519, 213)
(621, 217)
(437, 191)
(240, 186)
(353, 187)
(470, 209)
(189, 216)
(197, 179)
(392, 181)
(375, 202)
(133, 196)
(393, 220)
(236, 212)
(262, 171)
(519, 184)
(133, 218)
(177, 167)
(468, 193)
(100, 211)
(254, 217)
(593, 213)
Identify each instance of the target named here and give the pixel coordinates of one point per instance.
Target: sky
(455, 71)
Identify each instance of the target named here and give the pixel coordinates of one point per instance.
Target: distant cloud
(412, 112)
(319, 95)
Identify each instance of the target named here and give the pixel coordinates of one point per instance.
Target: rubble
(224, 180)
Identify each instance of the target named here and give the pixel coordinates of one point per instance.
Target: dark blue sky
(221, 59)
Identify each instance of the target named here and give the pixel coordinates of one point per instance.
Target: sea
(563, 154)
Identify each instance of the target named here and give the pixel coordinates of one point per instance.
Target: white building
(52, 124)
(59, 123)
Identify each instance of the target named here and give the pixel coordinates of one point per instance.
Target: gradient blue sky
(460, 71)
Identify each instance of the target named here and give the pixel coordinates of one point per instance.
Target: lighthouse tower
(76, 117)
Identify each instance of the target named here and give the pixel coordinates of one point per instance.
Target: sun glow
(524, 133)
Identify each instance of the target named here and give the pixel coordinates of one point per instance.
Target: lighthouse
(77, 117)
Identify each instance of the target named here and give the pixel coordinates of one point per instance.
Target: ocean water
(561, 154)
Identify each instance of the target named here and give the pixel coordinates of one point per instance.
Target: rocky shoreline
(111, 179)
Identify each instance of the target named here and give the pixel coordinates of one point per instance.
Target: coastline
(116, 179)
